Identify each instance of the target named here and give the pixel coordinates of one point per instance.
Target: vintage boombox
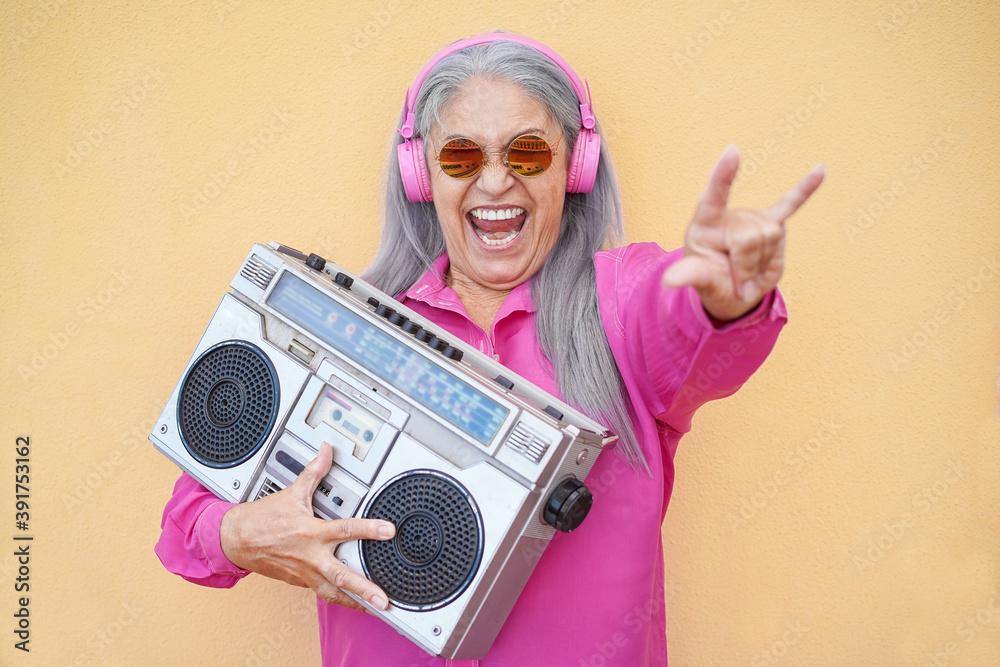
(476, 467)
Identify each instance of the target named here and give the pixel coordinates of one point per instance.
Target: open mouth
(497, 227)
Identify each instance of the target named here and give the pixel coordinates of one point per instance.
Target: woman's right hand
(279, 537)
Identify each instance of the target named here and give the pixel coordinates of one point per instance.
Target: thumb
(310, 477)
(694, 271)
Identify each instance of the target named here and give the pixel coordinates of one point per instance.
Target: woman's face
(498, 254)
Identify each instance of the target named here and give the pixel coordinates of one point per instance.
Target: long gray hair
(565, 288)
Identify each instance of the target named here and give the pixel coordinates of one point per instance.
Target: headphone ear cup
(583, 163)
(413, 170)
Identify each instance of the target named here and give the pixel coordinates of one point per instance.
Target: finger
(314, 472)
(785, 207)
(333, 595)
(345, 530)
(694, 271)
(715, 198)
(746, 249)
(345, 579)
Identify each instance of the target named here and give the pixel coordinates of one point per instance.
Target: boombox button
(398, 319)
(504, 382)
(343, 280)
(554, 413)
(411, 328)
(437, 344)
(424, 336)
(384, 311)
(452, 353)
(314, 261)
(337, 500)
(373, 302)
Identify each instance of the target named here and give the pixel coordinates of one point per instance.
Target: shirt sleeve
(189, 543)
(672, 357)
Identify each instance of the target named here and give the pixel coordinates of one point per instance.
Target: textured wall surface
(842, 509)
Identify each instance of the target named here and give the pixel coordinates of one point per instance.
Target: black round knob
(343, 280)
(398, 319)
(314, 261)
(437, 344)
(568, 505)
(373, 302)
(424, 335)
(384, 311)
(453, 353)
(411, 327)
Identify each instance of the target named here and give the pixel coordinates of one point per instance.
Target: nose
(495, 178)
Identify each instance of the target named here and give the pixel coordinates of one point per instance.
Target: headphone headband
(583, 162)
(580, 86)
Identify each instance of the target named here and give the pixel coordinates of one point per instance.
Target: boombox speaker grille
(438, 543)
(227, 404)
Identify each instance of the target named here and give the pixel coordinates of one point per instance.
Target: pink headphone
(586, 151)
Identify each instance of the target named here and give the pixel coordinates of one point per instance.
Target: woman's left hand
(733, 257)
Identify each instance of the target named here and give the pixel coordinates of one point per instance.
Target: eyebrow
(533, 130)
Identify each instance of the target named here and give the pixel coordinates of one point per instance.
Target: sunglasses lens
(529, 155)
(461, 158)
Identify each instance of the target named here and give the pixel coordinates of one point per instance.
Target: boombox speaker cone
(438, 544)
(227, 404)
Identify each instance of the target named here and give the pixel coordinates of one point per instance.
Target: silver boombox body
(475, 466)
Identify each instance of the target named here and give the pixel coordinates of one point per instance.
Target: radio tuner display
(406, 370)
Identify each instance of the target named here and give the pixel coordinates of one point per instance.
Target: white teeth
(495, 242)
(494, 214)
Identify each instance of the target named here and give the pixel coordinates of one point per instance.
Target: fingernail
(750, 291)
(379, 602)
(386, 530)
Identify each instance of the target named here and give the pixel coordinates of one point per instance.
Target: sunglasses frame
(487, 156)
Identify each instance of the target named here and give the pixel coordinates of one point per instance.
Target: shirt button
(496, 357)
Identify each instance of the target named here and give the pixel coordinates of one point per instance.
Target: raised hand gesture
(733, 257)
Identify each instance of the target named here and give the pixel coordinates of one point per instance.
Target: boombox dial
(568, 505)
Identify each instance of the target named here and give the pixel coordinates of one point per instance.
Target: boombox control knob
(453, 353)
(568, 505)
(384, 311)
(314, 261)
(343, 280)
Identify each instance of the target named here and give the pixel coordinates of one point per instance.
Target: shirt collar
(431, 289)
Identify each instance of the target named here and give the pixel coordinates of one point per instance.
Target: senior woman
(500, 230)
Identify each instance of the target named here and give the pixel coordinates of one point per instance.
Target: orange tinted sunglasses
(527, 155)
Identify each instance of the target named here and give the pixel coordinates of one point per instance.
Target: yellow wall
(843, 508)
